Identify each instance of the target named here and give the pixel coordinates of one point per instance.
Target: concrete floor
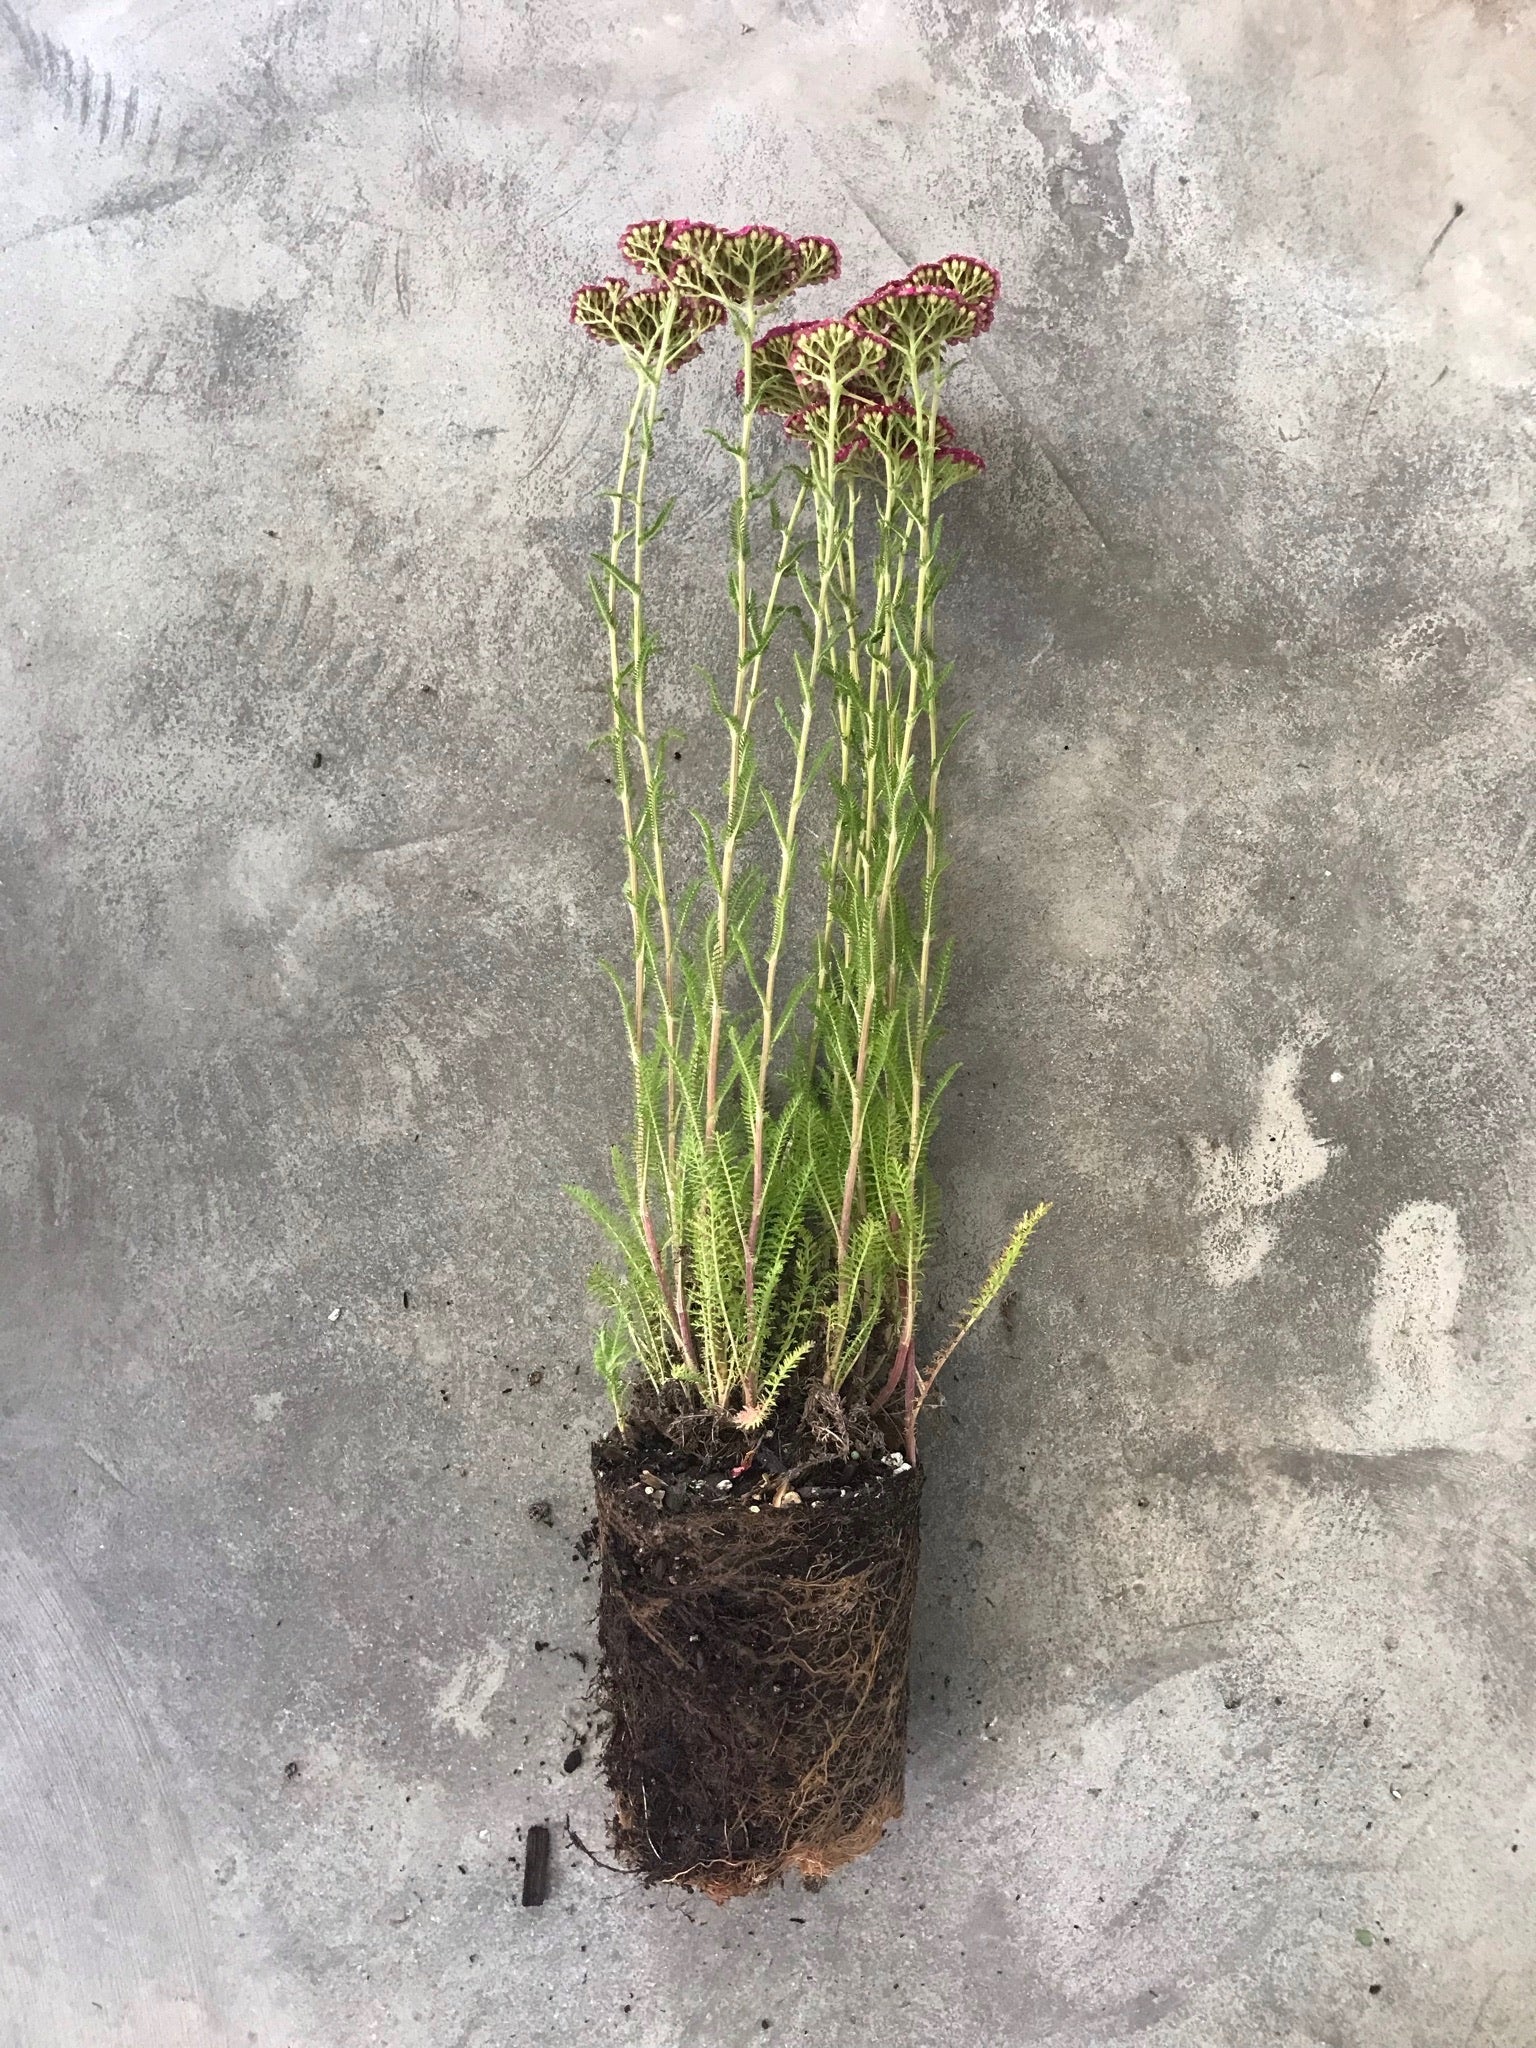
(1222, 1728)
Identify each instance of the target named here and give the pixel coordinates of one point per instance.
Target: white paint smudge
(475, 1683)
(1410, 1333)
(1280, 1154)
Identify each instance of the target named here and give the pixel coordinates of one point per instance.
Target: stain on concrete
(464, 1700)
(216, 360)
(1238, 1187)
(1420, 1395)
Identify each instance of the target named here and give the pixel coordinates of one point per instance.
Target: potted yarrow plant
(772, 1210)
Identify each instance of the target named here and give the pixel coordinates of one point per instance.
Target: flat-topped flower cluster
(847, 377)
(774, 1207)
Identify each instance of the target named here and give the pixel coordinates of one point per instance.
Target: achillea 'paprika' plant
(780, 1002)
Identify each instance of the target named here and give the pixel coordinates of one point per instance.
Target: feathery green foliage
(773, 1211)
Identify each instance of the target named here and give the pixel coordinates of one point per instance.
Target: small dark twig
(536, 1866)
(581, 1845)
(1456, 212)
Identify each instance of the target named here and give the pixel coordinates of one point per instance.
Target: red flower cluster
(655, 326)
(701, 275)
(736, 267)
(862, 363)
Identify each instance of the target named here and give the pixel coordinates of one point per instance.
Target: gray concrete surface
(1223, 1713)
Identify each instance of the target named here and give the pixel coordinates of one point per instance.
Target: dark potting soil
(749, 1475)
(755, 1620)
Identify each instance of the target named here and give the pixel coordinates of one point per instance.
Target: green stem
(897, 806)
(654, 788)
(923, 655)
(673, 1292)
(823, 468)
(739, 773)
(642, 881)
(639, 901)
(849, 696)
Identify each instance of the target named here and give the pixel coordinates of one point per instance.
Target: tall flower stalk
(773, 1211)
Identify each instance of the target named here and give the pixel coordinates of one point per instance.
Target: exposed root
(755, 1671)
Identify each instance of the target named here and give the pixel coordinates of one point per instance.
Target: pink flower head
(888, 430)
(895, 433)
(773, 386)
(594, 305)
(742, 267)
(942, 428)
(885, 383)
(955, 466)
(820, 260)
(657, 327)
(829, 355)
(644, 244)
(694, 319)
(976, 282)
(811, 424)
(919, 320)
